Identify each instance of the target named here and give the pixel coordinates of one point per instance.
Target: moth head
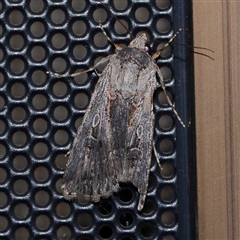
(139, 42)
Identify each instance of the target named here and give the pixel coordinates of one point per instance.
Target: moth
(115, 141)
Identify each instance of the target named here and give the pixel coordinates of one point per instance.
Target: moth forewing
(114, 143)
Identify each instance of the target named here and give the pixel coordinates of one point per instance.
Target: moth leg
(98, 74)
(117, 46)
(68, 153)
(167, 97)
(141, 201)
(102, 61)
(156, 155)
(157, 54)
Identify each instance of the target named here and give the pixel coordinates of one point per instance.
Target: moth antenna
(157, 54)
(203, 54)
(196, 47)
(117, 46)
(116, 18)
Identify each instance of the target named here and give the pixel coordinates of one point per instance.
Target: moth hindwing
(115, 141)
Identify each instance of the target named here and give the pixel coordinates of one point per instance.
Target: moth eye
(147, 48)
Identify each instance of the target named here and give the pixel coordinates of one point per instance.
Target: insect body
(115, 141)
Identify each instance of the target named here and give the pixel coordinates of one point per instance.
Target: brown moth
(115, 141)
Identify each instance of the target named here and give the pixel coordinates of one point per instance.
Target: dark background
(40, 114)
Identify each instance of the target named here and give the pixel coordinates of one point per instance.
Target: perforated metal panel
(40, 114)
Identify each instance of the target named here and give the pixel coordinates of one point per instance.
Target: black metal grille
(39, 116)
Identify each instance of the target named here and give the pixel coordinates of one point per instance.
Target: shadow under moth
(115, 141)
